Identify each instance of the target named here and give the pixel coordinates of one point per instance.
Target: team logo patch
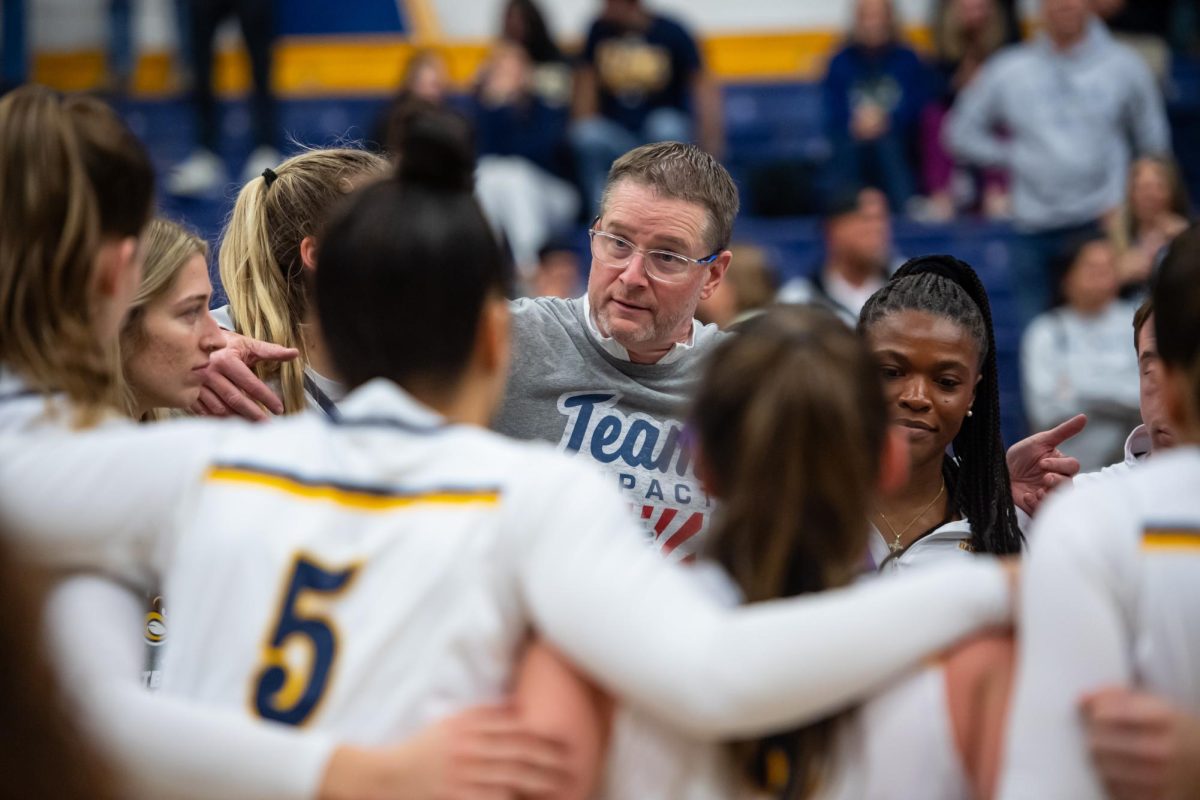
(156, 623)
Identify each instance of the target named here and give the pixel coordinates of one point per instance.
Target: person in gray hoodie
(1074, 107)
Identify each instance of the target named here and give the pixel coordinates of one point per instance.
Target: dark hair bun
(434, 147)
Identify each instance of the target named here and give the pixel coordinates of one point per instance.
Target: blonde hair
(168, 247)
(71, 175)
(261, 268)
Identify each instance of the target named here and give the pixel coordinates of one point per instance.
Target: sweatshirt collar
(616, 350)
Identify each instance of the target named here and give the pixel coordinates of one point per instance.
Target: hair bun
(434, 147)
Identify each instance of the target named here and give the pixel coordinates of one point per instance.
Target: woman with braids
(763, 428)
(930, 329)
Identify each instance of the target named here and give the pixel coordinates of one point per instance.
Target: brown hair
(261, 270)
(1125, 231)
(42, 753)
(791, 422)
(681, 172)
(71, 175)
(1176, 296)
(951, 45)
(1140, 318)
(167, 248)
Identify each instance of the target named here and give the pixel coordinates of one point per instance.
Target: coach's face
(647, 315)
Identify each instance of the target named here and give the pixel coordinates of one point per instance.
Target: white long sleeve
(87, 505)
(161, 747)
(647, 632)
(1073, 640)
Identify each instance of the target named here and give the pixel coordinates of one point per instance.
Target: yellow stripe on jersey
(1171, 539)
(361, 499)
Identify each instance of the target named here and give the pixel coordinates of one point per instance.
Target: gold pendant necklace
(895, 546)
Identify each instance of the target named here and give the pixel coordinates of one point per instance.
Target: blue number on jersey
(285, 694)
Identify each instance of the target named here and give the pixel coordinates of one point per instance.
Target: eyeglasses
(615, 252)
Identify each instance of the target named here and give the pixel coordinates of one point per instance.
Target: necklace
(895, 546)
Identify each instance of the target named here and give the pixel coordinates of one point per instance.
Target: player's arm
(554, 699)
(643, 630)
(1072, 641)
(978, 678)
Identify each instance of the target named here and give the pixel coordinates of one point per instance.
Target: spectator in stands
(858, 254)
(558, 272)
(203, 171)
(426, 78)
(1068, 99)
(874, 92)
(640, 80)
(524, 25)
(522, 145)
(1076, 358)
(966, 33)
(748, 288)
(1156, 211)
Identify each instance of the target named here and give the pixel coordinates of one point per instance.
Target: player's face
(645, 315)
(1150, 395)
(929, 365)
(173, 346)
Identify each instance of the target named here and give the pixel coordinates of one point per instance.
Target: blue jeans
(1033, 261)
(598, 141)
(882, 162)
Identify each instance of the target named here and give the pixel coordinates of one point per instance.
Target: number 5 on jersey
(283, 691)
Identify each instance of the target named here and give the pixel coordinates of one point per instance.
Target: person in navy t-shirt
(640, 79)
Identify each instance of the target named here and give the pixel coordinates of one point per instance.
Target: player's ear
(308, 252)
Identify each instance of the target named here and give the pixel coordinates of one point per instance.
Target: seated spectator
(426, 78)
(874, 91)
(640, 80)
(965, 34)
(748, 288)
(1076, 358)
(558, 274)
(1070, 101)
(858, 255)
(524, 25)
(1155, 212)
(521, 143)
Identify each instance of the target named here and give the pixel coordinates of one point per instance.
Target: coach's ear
(308, 253)
(894, 461)
(715, 274)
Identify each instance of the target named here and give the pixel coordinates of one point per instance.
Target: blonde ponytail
(261, 269)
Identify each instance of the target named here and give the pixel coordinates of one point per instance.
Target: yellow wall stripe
(307, 66)
(1171, 540)
(349, 498)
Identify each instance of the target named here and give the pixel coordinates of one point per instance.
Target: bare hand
(484, 753)
(868, 122)
(1036, 465)
(1142, 747)
(230, 385)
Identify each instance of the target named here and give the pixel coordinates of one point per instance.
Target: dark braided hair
(977, 474)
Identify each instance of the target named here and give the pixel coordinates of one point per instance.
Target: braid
(977, 475)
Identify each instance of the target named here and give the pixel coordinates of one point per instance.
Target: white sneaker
(202, 173)
(264, 157)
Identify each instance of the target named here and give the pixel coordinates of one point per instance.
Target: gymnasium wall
(349, 47)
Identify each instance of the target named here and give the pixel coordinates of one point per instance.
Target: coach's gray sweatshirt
(1073, 118)
(570, 387)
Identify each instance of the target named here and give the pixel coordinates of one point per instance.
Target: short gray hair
(681, 172)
